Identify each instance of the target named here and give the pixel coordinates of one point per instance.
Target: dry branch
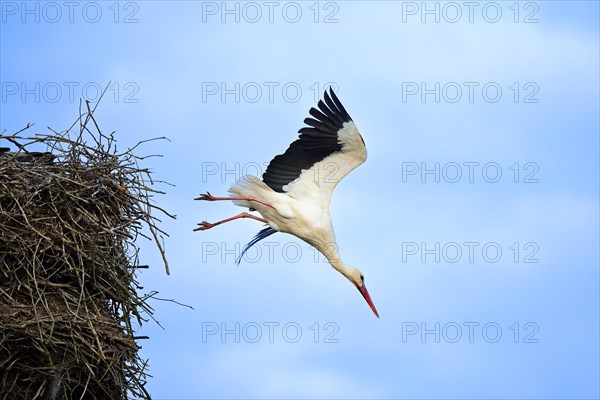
(69, 302)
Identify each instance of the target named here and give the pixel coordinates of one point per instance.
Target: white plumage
(295, 191)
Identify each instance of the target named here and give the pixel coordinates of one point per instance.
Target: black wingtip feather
(259, 236)
(339, 105)
(323, 118)
(330, 104)
(320, 125)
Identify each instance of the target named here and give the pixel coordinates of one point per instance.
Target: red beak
(363, 290)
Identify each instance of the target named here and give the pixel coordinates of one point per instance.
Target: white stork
(295, 191)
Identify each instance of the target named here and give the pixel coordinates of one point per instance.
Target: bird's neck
(330, 251)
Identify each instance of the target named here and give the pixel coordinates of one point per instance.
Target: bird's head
(356, 277)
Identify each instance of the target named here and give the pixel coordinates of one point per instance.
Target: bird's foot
(207, 196)
(204, 226)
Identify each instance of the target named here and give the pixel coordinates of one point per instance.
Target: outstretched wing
(327, 150)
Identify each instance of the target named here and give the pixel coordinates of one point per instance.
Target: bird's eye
(362, 278)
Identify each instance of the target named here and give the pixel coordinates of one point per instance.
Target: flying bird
(295, 191)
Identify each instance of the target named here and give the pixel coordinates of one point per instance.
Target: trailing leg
(207, 225)
(210, 197)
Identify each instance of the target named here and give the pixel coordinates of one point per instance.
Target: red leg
(207, 225)
(210, 197)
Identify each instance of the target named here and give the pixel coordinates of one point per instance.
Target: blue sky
(474, 220)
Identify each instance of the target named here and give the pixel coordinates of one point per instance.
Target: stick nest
(69, 307)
